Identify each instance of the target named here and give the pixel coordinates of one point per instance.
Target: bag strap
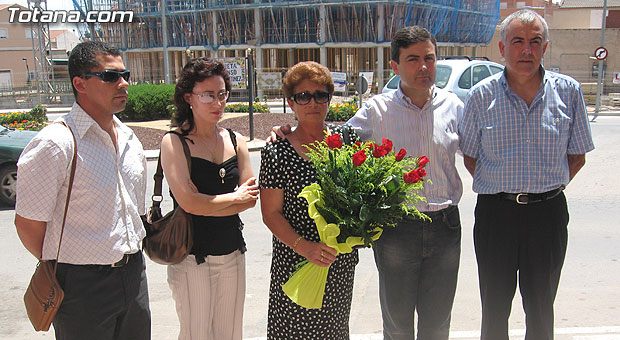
(159, 173)
(71, 177)
(233, 138)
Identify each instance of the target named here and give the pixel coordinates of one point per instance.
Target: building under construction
(345, 35)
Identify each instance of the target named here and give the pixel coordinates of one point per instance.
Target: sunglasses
(207, 97)
(303, 98)
(110, 76)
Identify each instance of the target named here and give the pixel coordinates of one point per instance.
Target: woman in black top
(209, 286)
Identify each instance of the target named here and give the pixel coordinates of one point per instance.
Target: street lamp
(27, 72)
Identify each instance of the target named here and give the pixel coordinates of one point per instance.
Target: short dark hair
(83, 58)
(195, 71)
(307, 70)
(408, 36)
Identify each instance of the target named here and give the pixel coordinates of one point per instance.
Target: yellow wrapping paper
(306, 286)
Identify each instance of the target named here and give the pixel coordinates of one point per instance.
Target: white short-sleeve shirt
(108, 195)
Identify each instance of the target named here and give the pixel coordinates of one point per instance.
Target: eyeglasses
(110, 76)
(208, 97)
(303, 98)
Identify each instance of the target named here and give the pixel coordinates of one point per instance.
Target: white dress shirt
(431, 131)
(108, 196)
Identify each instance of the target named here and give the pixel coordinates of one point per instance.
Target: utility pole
(599, 83)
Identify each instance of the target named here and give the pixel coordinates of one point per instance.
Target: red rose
(387, 144)
(334, 141)
(422, 161)
(421, 172)
(379, 151)
(400, 155)
(359, 158)
(358, 144)
(411, 177)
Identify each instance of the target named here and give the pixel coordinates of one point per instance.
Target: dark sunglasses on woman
(303, 98)
(110, 76)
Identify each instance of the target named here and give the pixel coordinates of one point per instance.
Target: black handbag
(169, 238)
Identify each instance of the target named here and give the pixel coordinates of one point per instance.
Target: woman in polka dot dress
(284, 172)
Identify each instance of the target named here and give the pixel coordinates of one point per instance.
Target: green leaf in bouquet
(330, 215)
(365, 213)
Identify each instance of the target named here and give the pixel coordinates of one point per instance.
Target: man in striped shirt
(524, 135)
(418, 260)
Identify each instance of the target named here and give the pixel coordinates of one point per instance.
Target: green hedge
(148, 102)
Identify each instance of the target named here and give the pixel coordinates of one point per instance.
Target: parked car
(12, 143)
(456, 75)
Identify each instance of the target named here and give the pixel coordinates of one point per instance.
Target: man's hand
(280, 131)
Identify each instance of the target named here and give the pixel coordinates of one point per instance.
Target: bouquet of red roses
(361, 189)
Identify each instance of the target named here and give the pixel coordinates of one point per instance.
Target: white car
(456, 75)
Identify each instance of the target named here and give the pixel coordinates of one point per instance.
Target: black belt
(526, 198)
(123, 261)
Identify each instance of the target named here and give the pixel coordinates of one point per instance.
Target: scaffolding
(41, 51)
(345, 35)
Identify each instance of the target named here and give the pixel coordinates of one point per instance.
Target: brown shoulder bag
(44, 294)
(169, 239)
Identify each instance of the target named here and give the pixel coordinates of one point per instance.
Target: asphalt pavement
(586, 305)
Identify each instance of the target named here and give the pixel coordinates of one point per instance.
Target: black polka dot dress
(283, 168)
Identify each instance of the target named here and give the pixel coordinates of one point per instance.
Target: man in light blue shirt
(524, 135)
(418, 260)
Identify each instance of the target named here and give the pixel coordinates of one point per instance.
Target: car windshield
(443, 75)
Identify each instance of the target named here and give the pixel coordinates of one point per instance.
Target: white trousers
(209, 297)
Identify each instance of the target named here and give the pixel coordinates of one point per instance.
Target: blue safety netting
(213, 23)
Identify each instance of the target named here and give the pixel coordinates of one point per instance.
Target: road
(587, 305)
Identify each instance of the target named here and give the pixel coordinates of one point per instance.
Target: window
(443, 76)
(503, 5)
(495, 69)
(480, 72)
(4, 33)
(465, 81)
(28, 33)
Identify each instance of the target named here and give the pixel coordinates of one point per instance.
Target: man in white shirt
(100, 265)
(418, 260)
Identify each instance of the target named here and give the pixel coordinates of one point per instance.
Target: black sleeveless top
(216, 235)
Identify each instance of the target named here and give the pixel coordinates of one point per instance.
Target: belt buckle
(518, 198)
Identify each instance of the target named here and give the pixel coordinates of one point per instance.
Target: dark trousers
(526, 239)
(104, 303)
(418, 263)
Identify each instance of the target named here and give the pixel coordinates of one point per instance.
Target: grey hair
(525, 16)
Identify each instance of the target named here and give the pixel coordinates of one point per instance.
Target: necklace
(213, 153)
(222, 171)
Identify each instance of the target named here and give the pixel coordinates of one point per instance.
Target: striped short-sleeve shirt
(520, 148)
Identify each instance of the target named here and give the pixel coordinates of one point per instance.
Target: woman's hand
(318, 253)
(248, 191)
